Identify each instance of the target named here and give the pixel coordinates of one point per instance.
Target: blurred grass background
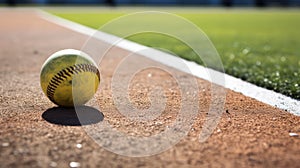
(258, 46)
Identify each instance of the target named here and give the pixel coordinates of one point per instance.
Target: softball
(69, 78)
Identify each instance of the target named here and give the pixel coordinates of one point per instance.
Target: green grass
(258, 46)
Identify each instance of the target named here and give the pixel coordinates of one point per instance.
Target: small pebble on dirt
(78, 146)
(53, 164)
(74, 164)
(292, 134)
(5, 144)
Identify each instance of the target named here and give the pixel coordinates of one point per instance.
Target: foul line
(261, 94)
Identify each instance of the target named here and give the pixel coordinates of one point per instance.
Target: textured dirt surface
(35, 133)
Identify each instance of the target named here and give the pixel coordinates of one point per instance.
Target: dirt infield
(35, 134)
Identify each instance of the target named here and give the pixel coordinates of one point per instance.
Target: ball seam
(63, 75)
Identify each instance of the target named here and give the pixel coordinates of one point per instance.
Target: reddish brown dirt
(250, 133)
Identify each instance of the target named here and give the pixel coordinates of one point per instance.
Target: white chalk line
(261, 94)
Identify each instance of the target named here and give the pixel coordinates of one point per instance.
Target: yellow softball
(69, 78)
